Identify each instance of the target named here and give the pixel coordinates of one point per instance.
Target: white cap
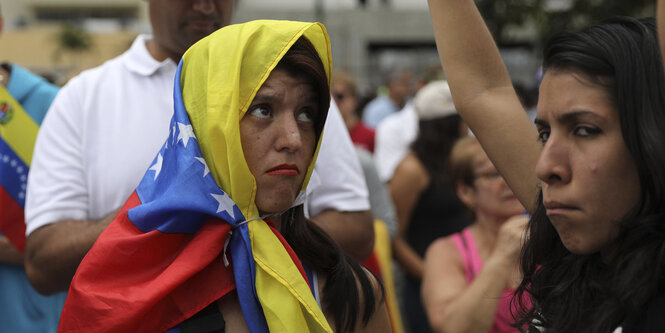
(434, 100)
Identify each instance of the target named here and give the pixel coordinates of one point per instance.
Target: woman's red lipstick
(284, 170)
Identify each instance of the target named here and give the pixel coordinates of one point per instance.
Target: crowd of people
(219, 177)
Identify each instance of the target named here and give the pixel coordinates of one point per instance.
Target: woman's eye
(585, 131)
(306, 116)
(543, 135)
(260, 111)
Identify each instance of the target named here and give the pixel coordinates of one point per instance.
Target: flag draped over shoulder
(165, 256)
(18, 132)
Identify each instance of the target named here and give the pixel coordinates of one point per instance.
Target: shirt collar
(139, 60)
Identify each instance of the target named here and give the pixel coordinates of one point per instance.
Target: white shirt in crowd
(394, 135)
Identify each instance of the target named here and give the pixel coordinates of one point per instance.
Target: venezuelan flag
(18, 132)
(190, 232)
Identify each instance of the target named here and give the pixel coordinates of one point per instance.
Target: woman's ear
(466, 194)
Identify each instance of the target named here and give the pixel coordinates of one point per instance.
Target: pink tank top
(472, 265)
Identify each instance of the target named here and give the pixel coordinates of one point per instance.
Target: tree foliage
(549, 16)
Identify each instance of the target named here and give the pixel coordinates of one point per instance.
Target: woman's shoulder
(413, 169)
(379, 320)
(441, 246)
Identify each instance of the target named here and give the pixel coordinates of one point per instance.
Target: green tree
(547, 18)
(73, 40)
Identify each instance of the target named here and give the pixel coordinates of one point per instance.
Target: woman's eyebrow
(573, 116)
(569, 117)
(264, 97)
(541, 122)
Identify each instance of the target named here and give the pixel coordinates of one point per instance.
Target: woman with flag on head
(214, 237)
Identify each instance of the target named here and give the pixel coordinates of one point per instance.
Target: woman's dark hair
(341, 294)
(302, 61)
(584, 293)
(313, 246)
(436, 135)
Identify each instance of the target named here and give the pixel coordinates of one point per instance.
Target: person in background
(591, 172)
(425, 201)
(24, 100)
(106, 124)
(345, 93)
(400, 86)
(470, 276)
(397, 131)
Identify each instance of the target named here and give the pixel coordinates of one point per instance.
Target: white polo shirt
(106, 125)
(394, 136)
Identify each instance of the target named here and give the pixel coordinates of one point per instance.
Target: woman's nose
(288, 132)
(552, 166)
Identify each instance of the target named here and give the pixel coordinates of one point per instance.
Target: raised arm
(484, 96)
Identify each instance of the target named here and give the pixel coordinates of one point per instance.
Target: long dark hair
(312, 245)
(436, 135)
(582, 293)
(318, 251)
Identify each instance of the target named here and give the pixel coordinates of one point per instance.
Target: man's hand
(9, 254)
(53, 252)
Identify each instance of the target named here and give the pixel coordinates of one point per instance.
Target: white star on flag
(157, 167)
(185, 133)
(173, 134)
(206, 171)
(225, 203)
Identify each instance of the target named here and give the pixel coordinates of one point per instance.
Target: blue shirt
(22, 308)
(378, 109)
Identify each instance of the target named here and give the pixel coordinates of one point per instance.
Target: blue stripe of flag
(13, 173)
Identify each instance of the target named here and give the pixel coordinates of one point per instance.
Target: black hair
(436, 135)
(320, 252)
(584, 293)
(310, 243)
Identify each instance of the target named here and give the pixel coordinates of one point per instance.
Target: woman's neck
(275, 218)
(487, 228)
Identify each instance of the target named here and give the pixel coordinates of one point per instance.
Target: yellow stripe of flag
(18, 129)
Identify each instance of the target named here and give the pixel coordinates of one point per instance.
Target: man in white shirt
(394, 136)
(105, 127)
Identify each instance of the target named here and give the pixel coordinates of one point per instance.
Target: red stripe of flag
(132, 281)
(12, 223)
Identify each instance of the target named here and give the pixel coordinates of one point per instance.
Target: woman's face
(589, 179)
(491, 195)
(345, 99)
(278, 139)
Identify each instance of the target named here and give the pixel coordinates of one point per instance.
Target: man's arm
(337, 196)
(9, 254)
(353, 231)
(54, 251)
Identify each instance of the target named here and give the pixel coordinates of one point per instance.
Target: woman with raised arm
(470, 276)
(214, 238)
(594, 258)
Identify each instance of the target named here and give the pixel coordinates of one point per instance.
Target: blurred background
(370, 38)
